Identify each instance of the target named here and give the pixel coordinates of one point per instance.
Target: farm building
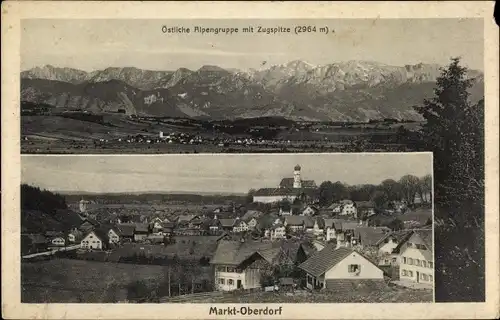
(325, 267)
(95, 239)
(417, 259)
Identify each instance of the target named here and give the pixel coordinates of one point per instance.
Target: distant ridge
(342, 91)
(200, 193)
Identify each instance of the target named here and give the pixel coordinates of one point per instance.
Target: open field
(390, 295)
(70, 281)
(115, 133)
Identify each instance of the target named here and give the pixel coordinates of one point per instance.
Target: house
(252, 223)
(113, 235)
(318, 226)
(388, 247)
(215, 226)
(325, 267)
(335, 208)
(141, 231)
(348, 208)
(95, 239)
(88, 225)
(74, 236)
(310, 211)
(251, 214)
(369, 237)
(186, 218)
(240, 265)
(285, 211)
(365, 208)
(332, 228)
(168, 228)
(240, 226)
(417, 258)
(277, 232)
(127, 231)
(295, 223)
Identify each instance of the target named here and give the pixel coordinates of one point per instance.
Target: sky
(97, 44)
(212, 173)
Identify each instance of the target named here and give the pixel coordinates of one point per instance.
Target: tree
(454, 131)
(392, 188)
(380, 199)
(396, 225)
(425, 188)
(249, 197)
(326, 193)
(409, 185)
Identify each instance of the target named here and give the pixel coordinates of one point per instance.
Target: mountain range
(297, 90)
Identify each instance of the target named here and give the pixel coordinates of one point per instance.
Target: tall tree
(392, 188)
(425, 188)
(249, 197)
(409, 184)
(454, 131)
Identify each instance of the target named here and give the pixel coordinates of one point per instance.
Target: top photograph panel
(240, 86)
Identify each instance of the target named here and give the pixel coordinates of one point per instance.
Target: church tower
(297, 181)
(83, 206)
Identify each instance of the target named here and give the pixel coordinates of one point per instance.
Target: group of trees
(33, 198)
(389, 190)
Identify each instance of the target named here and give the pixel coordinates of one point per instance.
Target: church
(289, 188)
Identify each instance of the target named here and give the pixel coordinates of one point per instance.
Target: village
(280, 239)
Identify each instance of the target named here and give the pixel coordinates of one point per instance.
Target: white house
(417, 259)
(309, 211)
(252, 223)
(325, 267)
(348, 208)
(95, 240)
(239, 265)
(278, 232)
(240, 226)
(113, 235)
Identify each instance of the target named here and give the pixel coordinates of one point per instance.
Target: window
(394, 260)
(221, 281)
(431, 265)
(423, 276)
(230, 282)
(221, 269)
(410, 273)
(417, 262)
(410, 244)
(354, 268)
(410, 261)
(404, 273)
(424, 263)
(430, 278)
(404, 260)
(230, 269)
(309, 279)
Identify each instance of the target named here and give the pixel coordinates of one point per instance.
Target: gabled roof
(103, 235)
(370, 236)
(235, 252)
(187, 218)
(324, 260)
(126, 229)
(426, 235)
(346, 201)
(251, 214)
(295, 220)
(398, 236)
(277, 192)
(334, 223)
(238, 222)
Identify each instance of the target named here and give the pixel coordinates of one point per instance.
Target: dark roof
(141, 228)
(323, 260)
(227, 222)
(365, 204)
(398, 236)
(308, 184)
(295, 220)
(334, 223)
(286, 183)
(370, 236)
(235, 252)
(186, 218)
(68, 218)
(127, 229)
(93, 222)
(37, 238)
(321, 222)
(251, 214)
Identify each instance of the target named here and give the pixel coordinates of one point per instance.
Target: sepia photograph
(249, 160)
(246, 85)
(312, 228)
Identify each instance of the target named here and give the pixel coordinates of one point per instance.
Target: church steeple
(297, 181)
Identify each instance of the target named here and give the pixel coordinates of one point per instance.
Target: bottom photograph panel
(288, 228)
